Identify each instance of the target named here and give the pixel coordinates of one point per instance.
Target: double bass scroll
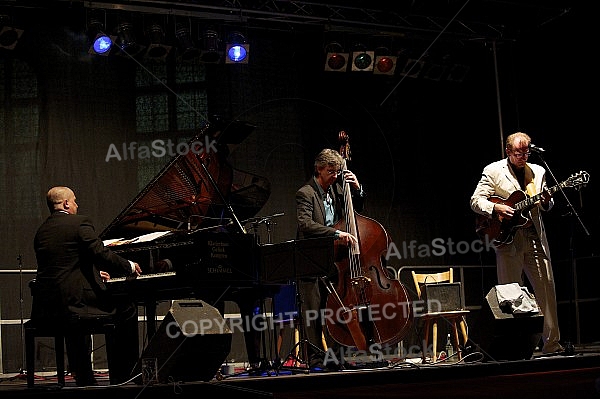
(368, 307)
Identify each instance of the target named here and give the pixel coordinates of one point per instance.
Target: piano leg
(150, 311)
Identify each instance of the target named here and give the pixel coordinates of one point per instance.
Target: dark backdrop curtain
(84, 105)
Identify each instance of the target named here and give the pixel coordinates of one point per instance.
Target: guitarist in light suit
(524, 246)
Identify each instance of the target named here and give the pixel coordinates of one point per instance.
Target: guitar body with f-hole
(499, 230)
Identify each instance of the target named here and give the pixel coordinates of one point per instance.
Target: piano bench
(34, 329)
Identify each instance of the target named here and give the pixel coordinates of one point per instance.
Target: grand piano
(186, 228)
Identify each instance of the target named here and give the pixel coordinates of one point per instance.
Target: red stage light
(336, 61)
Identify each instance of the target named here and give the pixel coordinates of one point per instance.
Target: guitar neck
(531, 201)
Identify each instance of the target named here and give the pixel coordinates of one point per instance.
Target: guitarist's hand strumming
(504, 211)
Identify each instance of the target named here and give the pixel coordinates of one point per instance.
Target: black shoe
(329, 366)
(333, 366)
(316, 361)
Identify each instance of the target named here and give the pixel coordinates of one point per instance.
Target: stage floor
(558, 376)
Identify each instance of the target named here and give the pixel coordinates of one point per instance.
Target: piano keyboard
(141, 277)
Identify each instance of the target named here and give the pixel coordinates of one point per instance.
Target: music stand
(288, 260)
(294, 260)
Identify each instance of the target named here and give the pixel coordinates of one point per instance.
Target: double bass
(368, 307)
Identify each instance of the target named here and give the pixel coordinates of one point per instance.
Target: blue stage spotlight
(237, 49)
(101, 42)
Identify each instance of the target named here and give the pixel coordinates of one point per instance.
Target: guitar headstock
(578, 179)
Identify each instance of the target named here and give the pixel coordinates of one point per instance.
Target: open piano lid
(195, 190)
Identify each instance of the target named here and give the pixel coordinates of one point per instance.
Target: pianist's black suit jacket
(69, 254)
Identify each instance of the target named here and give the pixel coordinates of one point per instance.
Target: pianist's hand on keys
(106, 276)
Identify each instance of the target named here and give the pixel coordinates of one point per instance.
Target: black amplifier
(442, 297)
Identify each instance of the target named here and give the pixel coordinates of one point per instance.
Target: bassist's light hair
(328, 157)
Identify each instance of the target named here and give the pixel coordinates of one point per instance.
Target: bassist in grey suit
(524, 250)
(319, 205)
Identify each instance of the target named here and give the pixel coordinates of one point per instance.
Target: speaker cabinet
(501, 335)
(191, 344)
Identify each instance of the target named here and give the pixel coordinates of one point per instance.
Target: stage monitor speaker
(501, 335)
(191, 344)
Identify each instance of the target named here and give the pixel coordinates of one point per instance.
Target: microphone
(536, 149)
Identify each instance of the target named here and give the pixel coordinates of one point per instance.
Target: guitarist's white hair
(515, 138)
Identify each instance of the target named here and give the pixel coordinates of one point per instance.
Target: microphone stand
(23, 371)
(569, 348)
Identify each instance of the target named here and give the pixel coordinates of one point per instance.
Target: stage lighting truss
(157, 49)
(9, 37)
(336, 60)
(237, 49)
